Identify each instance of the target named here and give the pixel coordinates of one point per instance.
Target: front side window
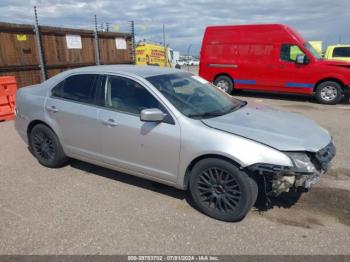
(80, 88)
(341, 52)
(128, 96)
(290, 52)
(193, 96)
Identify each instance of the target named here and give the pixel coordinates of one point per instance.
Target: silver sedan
(175, 128)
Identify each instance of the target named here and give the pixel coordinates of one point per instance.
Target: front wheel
(225, 83)
(45, 146)
(222, 191)
(329, 93)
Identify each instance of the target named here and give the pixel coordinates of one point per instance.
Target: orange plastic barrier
(8, 88)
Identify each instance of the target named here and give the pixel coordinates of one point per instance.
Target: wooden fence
(19, 55)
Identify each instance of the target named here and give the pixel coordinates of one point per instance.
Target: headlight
(302, 162)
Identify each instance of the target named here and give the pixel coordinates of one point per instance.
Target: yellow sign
(143, 27)
(21, 37)
(116, 28)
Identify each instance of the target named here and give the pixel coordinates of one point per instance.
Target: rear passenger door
(72, 110)
(145, 148)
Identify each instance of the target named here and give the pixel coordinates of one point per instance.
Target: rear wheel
(222, 191)
(45, 146)
(225, 83)
(329, 92)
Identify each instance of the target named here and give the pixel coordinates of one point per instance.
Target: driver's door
(146, 148)
(290, 76)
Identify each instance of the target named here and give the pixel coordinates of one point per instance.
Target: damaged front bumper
(279, 181)
(306, 181)
(307, 170)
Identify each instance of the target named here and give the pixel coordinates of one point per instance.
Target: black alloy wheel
(218, 189)
(45, 146)
(221, 190)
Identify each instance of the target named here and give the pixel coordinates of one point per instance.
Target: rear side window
(80, 88)
(289, 52)
(341, 52)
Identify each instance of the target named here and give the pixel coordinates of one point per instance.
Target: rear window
(77, 88)
(341, 52)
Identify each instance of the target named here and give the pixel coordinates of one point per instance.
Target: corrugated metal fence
(62, 48)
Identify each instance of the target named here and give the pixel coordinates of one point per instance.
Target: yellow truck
(338, 52)
(153, 54)
(317, 45)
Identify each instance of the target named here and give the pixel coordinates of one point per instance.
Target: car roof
(142, 71)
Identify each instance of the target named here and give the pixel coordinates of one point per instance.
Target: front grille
(325, 155)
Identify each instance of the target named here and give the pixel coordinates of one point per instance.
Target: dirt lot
(84, 209)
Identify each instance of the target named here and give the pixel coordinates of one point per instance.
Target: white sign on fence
(120, 43)
(73, 41)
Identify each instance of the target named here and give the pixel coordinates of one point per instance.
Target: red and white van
(270, 57)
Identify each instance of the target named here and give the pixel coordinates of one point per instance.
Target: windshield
(193, 96)
(312, 50)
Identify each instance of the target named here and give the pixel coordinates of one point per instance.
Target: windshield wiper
(243, 103)
(236, 107)
(216, 113)
(207, 114)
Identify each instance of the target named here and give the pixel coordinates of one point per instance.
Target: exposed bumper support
(282, 179)
(306, 181)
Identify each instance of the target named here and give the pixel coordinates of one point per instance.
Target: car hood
(276, 128)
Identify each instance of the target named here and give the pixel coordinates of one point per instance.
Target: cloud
(184, 20)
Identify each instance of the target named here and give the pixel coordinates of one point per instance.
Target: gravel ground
(85, 209)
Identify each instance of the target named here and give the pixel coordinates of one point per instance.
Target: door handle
(110, 122)
(52, 109)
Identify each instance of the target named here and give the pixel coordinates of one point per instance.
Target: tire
(45, 146)
(329, 93)
(225, 83)
(222, 191)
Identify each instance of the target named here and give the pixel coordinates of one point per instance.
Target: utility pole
(165, 55)
(97, 50)
(39, 47)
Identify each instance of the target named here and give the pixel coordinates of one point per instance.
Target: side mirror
(152, 115)
(301, 59)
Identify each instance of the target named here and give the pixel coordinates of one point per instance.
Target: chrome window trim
(106, 74)
(147, 89)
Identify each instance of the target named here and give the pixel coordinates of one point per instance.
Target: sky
(185, 20)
